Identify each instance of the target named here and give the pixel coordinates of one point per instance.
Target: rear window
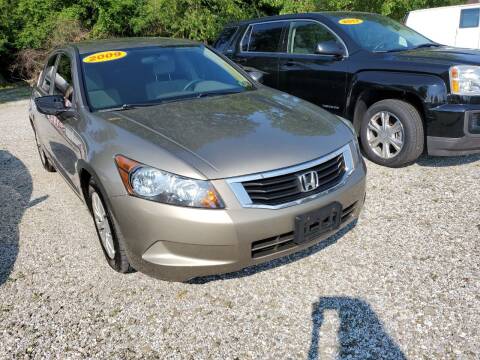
(263, 37)
(225, 38)
(469, 18)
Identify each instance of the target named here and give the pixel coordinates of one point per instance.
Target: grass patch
(14, 92)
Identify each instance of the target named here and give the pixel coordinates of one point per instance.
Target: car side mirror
(52, 105)
(330, 48)
(256, 75)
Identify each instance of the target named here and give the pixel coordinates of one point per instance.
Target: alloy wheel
(103, 225)
(385, 134)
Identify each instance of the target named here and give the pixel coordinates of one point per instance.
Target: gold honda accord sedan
(188, 164)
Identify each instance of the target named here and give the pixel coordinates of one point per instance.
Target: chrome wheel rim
(103, 226)
(385, 135)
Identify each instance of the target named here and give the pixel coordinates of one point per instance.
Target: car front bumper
(176, 243)
(464, 122)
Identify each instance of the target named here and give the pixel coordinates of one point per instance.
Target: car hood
(238, 134)
(443, 55)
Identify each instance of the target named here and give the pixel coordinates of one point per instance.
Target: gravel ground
(403, 283)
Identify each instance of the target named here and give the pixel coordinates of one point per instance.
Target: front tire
(392, 133)
(113, 249)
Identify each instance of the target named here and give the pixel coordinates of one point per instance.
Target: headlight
(157, 185)
(465, 80)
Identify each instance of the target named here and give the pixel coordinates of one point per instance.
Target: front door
(43, 128)
(66, 145)
(468, 32)
(259, 49)
(320, 79)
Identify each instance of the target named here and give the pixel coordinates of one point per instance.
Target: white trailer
(449, 25)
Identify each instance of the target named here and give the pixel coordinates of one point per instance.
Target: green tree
(41, 24)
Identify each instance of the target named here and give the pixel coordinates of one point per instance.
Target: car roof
(128, 43)
(320, 14)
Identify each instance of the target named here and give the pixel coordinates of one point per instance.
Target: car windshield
(378, 33)
(125, 78)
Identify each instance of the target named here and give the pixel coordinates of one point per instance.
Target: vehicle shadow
(440, 161)
(251, 270)
(360, 335)
(15, 192)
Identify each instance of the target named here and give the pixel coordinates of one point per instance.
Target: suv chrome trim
(244, 199)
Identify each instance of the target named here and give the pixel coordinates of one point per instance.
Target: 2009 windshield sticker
(104, 56)
(350, 21)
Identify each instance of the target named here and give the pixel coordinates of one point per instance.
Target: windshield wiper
(139, 105)
(168, 100)
(215, 93)
(426, 45)
(392, 50)
(127, 107)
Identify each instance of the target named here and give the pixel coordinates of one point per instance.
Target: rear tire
(391, 133)
(113, 249)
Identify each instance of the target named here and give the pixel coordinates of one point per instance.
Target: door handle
(290, 63)
(241, 60)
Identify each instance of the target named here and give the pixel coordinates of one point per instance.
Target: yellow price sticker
(350, 21)
(104, 56)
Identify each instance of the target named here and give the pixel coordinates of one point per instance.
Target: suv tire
(113, 249)
(391, 133)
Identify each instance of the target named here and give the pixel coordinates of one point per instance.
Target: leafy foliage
(32, 24)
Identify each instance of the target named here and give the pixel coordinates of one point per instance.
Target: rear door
(259, 49)
(320, 79)
(468, 32)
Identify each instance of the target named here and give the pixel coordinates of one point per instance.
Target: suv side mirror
(256, 75)
(330, 48)
(52, 105)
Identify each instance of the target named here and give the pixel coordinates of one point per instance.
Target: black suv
(403, 92)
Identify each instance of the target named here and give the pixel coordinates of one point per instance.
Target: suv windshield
(378, 33)
(126, 78)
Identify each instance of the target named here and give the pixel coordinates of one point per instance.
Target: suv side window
(469, 18)
(304, 36)
(63, 80)
(263, 37)
(48, 74)
(225, 38)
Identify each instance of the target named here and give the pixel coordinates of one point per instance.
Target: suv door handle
(291, 63)
(241, 60)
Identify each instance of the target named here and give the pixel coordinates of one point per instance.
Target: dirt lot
(403, 283)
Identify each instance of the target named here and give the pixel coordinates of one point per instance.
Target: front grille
(285, 241)
(286, 188)
(272, 245)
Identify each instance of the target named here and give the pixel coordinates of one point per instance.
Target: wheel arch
(85, 174)
(423, 91)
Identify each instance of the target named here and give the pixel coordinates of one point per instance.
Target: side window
(304, 36)
(469, 18)
(263, 37)
(63, 80)
(48, 74)
(225, 37)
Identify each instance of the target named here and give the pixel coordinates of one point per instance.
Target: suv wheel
(113, 250)
(47, 165)
(392, 133)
